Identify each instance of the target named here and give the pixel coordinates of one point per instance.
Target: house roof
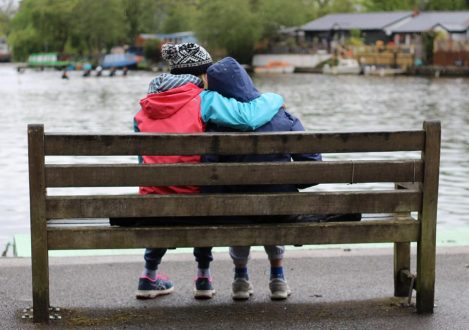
(456, 21)
(360, 21)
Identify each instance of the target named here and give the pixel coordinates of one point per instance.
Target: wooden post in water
(426, 245)
(39, 252)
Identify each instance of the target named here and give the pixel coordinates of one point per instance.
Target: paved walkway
(332, 289)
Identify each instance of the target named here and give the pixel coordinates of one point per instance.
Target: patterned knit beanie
(186, 58)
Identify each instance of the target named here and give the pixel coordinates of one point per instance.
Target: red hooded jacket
(174, 111)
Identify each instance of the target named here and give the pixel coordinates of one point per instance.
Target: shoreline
(427, 71)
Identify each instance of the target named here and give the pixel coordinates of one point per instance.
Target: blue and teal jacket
(179, 104)
(230, 79)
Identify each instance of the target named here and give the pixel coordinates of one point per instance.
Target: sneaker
(242, 289)
(279, 289)
(203, 288)
(149, 289)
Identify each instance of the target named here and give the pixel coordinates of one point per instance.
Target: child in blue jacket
(178, 103)
(229, 78)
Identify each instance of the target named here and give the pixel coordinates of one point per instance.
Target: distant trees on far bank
(390, 5)
(235, 27)
(82, 27)
(7, 10)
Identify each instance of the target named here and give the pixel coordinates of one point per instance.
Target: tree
(180, 16)
(24, 43)
(324, 7)
(41, 25)
(446, 4)
(390, 5)
(231, 26)
(7, 10)
(274, 14)
(355, 38)
(83, 25)
(98, 25)
(143, 16)
(428, 39)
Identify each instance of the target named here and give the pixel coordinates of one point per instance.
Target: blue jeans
(203, 257)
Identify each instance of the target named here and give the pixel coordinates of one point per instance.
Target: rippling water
(324, 103)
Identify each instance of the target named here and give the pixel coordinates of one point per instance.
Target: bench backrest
(422, 171)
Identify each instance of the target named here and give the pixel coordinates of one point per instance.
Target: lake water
(324, 103)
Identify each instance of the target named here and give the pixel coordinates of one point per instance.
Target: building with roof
(451, 47)
(372, 26)
(454, 24)
(400, 27)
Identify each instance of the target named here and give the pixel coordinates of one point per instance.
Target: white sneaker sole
(150, 294)
(242, 295)
(204, 294)
(280, 295)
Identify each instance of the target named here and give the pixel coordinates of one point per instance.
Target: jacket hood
(165, 104)
(230, 79)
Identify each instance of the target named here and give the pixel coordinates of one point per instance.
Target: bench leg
(425, 276)
(40, 274)
(401, 263)
(37, 199)
(426, 245)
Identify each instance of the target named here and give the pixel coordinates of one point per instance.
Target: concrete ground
(332, 289)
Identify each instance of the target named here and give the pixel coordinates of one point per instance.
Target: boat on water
(275, 67)
(119, 61)
(383, 71)
(46, 60)
(344, 66)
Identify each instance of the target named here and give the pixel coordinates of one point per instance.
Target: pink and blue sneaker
(149, 288)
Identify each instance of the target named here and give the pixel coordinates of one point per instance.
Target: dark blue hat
(230, 79)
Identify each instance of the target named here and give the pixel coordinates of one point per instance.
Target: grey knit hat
(186, 58)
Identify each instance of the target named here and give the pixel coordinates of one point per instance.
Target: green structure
(46, 60)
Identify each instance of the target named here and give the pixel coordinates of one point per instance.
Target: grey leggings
(241, 253)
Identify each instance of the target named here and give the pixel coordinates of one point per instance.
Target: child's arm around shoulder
(246, 116)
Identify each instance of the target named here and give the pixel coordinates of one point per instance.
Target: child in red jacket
(177, 103)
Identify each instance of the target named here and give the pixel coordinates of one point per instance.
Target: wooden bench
(412, 180)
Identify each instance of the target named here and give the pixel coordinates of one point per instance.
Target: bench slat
(58, 207)
(266, 234)
(107, 175)
(230, 143)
